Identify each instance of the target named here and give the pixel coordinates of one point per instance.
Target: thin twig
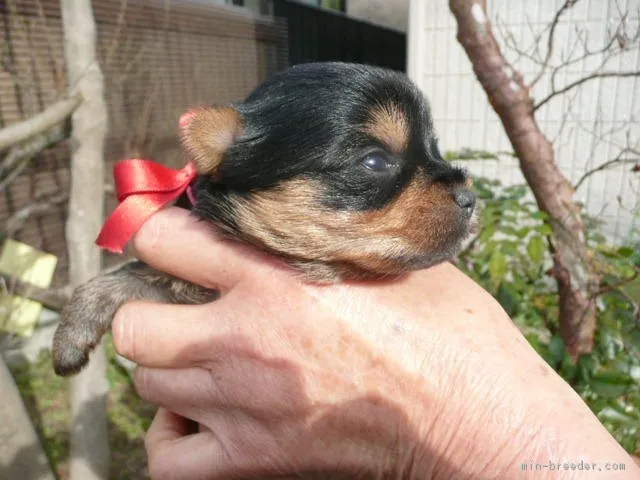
(53, 57)
(116, 35)
(23, 162)
(52, 298)
(43, 121)
(603, 166)
(34, 146)
(616, 286)
(582, 80)
(18, 159)
(554, 23)
(41, 206)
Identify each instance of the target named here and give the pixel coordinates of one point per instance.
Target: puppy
(333, 167)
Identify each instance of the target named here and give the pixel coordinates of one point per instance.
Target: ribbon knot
(143, 187)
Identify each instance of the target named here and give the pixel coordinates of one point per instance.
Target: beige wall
(388, 13)
(587, 126)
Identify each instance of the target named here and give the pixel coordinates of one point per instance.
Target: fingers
(164, 336)
(174, 241)
(166, 428)
(176, 453)
(230, 383)
(230, 450)
(187, 391)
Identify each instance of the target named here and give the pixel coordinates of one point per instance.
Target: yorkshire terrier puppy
(333, 167)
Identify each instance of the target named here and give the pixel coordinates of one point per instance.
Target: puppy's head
(335, 167)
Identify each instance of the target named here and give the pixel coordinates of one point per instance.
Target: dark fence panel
(321, 35)
(159, 59)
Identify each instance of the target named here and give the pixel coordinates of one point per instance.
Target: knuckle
(160, 467)
(140, 380)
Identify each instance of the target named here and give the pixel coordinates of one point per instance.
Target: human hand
(424, 377)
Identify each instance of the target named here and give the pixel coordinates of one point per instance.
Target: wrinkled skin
(386, 380)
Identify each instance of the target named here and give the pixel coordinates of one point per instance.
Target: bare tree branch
(21, 164)
(552, 30)
(41, 206)
(582, 80)
(90, 455)
(56, 68)
(620, 283)
(618, 160)
(510, 98)
(52, 298)
(18, 157)
(115, 42)
(32, 147)
(56, 113)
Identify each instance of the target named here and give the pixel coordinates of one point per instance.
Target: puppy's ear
(207, 133)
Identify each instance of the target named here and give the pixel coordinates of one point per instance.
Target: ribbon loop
(143, 187)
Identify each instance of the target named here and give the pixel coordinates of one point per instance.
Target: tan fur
(390, 125)
(291, 219)
(419, 227)
(207, 133)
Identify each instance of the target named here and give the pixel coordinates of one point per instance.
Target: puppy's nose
(465, 199)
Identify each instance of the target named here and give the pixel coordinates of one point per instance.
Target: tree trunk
(89, 445)
(510, 98)
(21, 454)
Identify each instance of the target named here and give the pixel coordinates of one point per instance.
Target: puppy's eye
(377, 162)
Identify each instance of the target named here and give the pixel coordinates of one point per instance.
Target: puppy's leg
(89, 313)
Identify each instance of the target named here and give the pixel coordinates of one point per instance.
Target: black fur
(306, 123)
(301, 122)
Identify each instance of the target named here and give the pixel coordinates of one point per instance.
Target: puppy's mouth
(449, 245)
(444, 254)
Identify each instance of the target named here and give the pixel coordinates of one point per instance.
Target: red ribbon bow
(143, 188)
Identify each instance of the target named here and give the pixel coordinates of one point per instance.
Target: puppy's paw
(89, 313)
(83, 322)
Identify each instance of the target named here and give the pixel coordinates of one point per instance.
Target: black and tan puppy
(333, 167)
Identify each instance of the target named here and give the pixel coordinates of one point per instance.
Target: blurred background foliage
(510, 257)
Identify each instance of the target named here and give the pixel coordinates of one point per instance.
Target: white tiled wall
(597, 117)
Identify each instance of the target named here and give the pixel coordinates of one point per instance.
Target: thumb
(175, 241)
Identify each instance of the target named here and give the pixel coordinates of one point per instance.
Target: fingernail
(122, 332)
(149, 234)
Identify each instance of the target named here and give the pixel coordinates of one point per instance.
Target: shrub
(511, 259)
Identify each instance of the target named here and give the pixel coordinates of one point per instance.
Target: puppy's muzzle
(466, 200)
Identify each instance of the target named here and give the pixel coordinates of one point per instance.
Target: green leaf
(540, 215)
(625, 251)
(497, 268)
(610, 384)
(507, 230)
(486, 234)
(483, 191)
(545, 229)
(615, 415)
(556, 349)
(509, 298)
(568, 369)
(509, 248)
(611, 341)
(586, 365)
(536, 250)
